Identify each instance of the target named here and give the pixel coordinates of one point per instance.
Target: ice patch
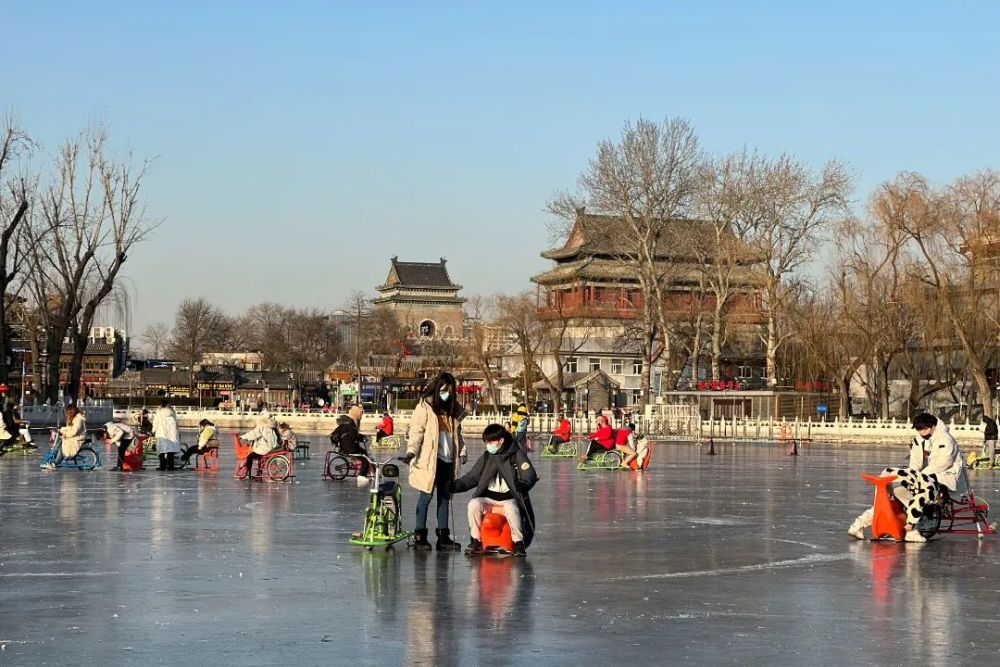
(811, 559)
(56, 574)
(716, 522)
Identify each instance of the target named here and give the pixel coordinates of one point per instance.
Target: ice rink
(740, 558)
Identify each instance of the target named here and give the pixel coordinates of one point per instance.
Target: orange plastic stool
(133, 460)
(207, 462)
(889, 519)
(495, 532)
(649, 453)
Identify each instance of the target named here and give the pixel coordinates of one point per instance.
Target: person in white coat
(935, 464)
(119, 435)
(168, 439)
(263, 439)
(73, 435)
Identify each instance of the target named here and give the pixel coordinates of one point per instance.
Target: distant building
(247, 361)
(598, 296)
(103, 359)
(424, 299)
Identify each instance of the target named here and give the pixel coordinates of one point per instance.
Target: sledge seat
(207, 462)
(133, 459)
(495, 532)
(889, 519)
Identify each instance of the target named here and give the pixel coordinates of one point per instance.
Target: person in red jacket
(601, 439)
(563, 432)
(624, 441)
(384, 427)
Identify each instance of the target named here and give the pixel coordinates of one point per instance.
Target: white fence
(860, 431)
(678, 422)
(97, 413)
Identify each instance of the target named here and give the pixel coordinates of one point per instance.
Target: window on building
(744, 372)
(616, 366)
(595, 364)
(636, 396)
(570, 366)
(637, 367)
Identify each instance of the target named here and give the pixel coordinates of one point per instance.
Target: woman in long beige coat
(435, 449)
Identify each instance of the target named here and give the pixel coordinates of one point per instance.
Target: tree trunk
(772, 349)
(4, 370)
(883, 390)
(844, 399)
(983, 389)
(5, 280)
(75, 368)
(53, 348)
(717, 343)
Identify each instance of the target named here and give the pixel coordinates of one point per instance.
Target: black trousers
(123, 446)
(166, 461)
(194, 450)
(249, 462)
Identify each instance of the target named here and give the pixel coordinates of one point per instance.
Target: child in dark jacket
(502, 476)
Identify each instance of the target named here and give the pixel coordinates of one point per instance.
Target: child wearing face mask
(502, 477)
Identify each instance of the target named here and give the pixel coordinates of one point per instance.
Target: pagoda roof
(611, 270)
(432, 275)
(598, 235)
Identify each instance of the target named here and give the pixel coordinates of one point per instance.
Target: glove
(406, 459)
(463, 459)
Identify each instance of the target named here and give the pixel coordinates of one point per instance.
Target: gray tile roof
(422, 274)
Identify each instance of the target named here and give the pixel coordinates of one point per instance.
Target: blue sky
(299, 145)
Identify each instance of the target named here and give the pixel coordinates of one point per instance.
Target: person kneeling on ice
(502, 477)
(935, 465)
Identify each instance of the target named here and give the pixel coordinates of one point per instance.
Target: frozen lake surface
(739, 559)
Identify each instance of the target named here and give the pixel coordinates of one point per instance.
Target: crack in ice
(795, 562)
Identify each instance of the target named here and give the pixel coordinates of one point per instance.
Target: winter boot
(519, 550)
(163, 462)
(857, 530)
(420, 542)
(475, 548)
(444, 542)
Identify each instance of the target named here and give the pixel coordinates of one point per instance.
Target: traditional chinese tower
(423, 298)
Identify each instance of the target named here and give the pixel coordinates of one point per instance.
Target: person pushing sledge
(935, 465)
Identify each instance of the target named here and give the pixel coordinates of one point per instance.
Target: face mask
(444, 395)
(493, 449)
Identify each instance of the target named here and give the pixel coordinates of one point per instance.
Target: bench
(301, 450)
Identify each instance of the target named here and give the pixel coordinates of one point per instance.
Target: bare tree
(726, 202)
(790, 209)
(358, 308)
(264, 327)
(198, 327)
(15, 145)
(486, 346)
(91, 216)
(646, 180)
(156, 337)
(950, 233)
(518, 316)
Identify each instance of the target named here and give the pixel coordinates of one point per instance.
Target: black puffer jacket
(347, 437)
(990, 432)
(516, 470)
